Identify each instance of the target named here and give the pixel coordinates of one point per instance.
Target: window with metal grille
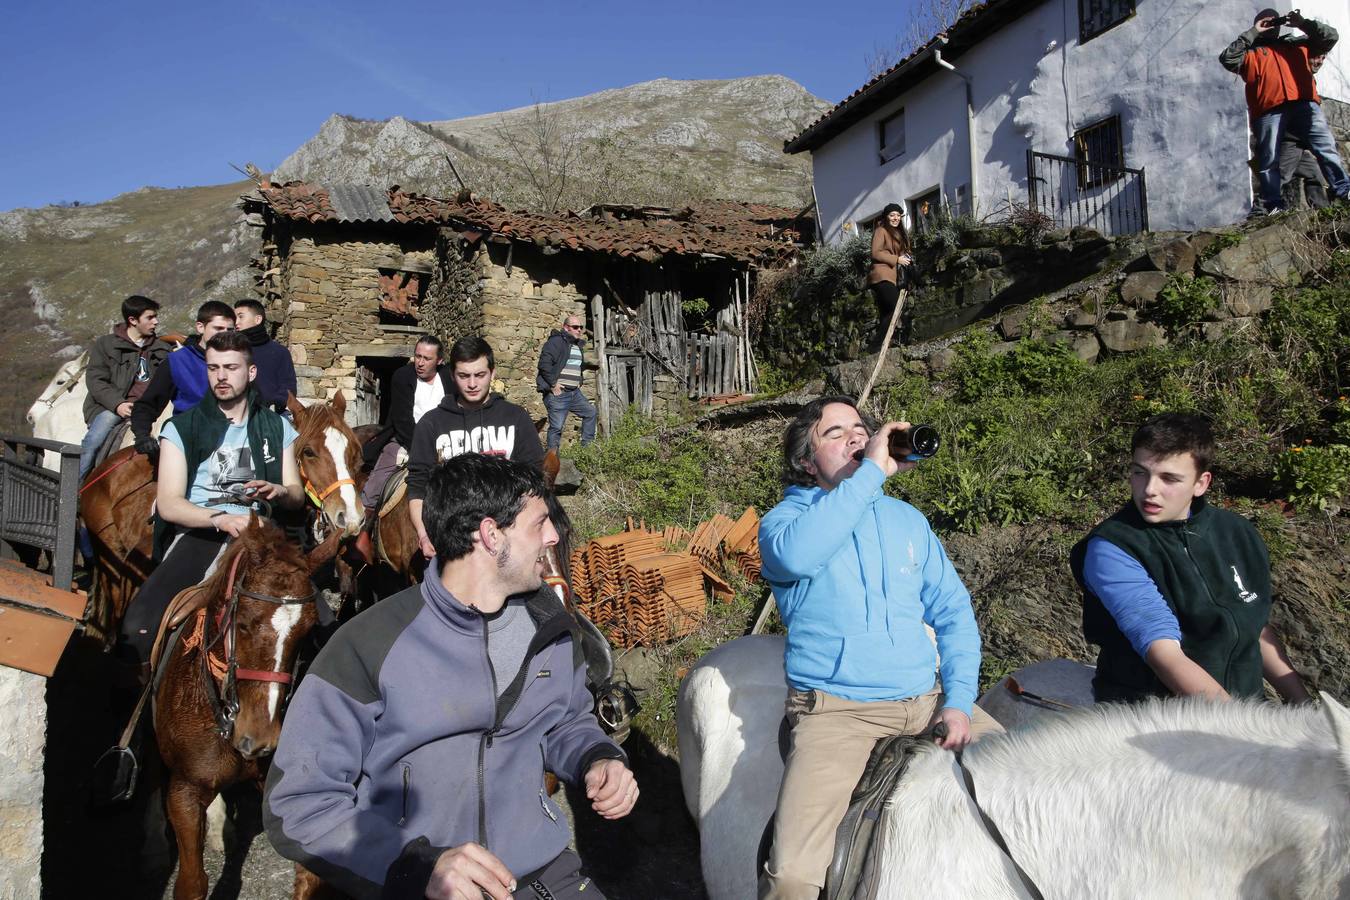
(1100, 152)
(891, 136)
(924, 211)
(1096, 16)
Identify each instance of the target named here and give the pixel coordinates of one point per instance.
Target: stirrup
(114, 777)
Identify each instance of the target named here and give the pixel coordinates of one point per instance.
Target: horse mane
(318, 418)
(1233, 798)
(267, 540)
(1083, 733)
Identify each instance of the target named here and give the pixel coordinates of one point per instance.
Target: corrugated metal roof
(359, 203)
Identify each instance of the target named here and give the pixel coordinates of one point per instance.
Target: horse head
(329, 458)
(67, 378)
(263, 604)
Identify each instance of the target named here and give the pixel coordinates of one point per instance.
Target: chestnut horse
(117, 497)
(218, 707)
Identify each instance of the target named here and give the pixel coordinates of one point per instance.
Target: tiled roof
(970, 27)
(748, 232)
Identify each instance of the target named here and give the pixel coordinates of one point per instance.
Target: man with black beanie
(276, 371)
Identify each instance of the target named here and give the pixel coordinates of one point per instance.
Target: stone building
(353, 273)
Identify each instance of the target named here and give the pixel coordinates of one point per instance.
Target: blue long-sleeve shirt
(1129, 595)
(856, 575)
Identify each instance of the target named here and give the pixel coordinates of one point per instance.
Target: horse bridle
(224, 697)
(316, 496)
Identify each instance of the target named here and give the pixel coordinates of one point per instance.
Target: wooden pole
(763, 616)
(881, 354)
(602, 376)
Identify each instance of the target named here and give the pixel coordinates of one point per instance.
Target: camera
(1288, 18)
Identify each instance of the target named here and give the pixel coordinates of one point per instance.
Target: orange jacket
(1276, 70)
(1275, 74)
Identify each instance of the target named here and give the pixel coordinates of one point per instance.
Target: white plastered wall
(1183, 116)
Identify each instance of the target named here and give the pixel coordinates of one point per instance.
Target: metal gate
(38, 506)
(1111, 199)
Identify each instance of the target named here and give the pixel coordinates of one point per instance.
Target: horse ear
(295, 406)
(339, 404)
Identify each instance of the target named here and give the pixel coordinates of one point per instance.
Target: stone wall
(522, 308)
(23, 731)
(1117, 311)
(329, 307)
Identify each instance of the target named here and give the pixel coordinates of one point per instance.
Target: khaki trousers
(831, 741)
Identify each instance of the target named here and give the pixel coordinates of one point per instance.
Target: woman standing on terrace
(890, 254)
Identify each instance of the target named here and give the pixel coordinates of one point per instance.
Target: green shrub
(1309, 328)
(1314, 477)
(1185, 299)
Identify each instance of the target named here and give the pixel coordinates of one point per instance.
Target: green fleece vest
(1214, 572)
(203, 428)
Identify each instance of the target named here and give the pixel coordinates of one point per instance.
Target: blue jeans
(102, 423)
(558, 407)
(1304, 120)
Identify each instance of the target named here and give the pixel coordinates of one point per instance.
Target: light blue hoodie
(856, 574)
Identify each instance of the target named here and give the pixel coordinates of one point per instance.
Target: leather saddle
(111, 444)
(395, 489)
(853, 839)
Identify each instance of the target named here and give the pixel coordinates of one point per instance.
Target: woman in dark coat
(890, 253)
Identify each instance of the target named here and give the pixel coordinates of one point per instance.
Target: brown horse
(218, 707)
(116, 500)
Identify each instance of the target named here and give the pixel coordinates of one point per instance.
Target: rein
(221, 678)
(105, 473)
(993, 831)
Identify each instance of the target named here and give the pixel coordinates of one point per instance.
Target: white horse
(1166, 799)
(58, 413)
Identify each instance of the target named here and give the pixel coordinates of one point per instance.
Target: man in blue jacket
(181, 379)
(857, 576)
(412, 759)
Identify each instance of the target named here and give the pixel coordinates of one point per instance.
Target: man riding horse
(216, 461)
(856, 576)
(120, 367)
(183, 379)
(414, 391)
(1177, 592)
(412, 760)
(472, 419)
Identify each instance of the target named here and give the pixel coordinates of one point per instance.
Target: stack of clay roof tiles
(643, 586)
(748, 232)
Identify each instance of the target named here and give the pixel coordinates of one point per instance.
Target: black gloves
(150, 447)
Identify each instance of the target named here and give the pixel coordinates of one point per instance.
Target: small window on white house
(1097, 16)
(1100, 152)
(891, 136)
(924, 211)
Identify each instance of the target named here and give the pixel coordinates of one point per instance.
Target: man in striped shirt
(559, 380)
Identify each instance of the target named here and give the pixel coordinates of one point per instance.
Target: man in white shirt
(415, 390)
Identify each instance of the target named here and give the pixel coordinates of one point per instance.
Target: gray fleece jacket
(400, 744)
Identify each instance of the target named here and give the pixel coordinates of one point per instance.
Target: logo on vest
(1245, 595)
(267, 452)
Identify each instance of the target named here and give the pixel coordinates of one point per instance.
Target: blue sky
(102, 98)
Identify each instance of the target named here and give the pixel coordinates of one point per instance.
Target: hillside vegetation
(1035, 449)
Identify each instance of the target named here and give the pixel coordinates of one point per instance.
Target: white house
(1123, 84)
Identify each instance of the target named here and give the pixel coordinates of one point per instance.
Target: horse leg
(216, 815)
(187, 804)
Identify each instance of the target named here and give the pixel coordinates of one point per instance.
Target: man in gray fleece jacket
(413, 756)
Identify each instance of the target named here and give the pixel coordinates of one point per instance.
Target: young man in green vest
(1177, 592)
(215, 459)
